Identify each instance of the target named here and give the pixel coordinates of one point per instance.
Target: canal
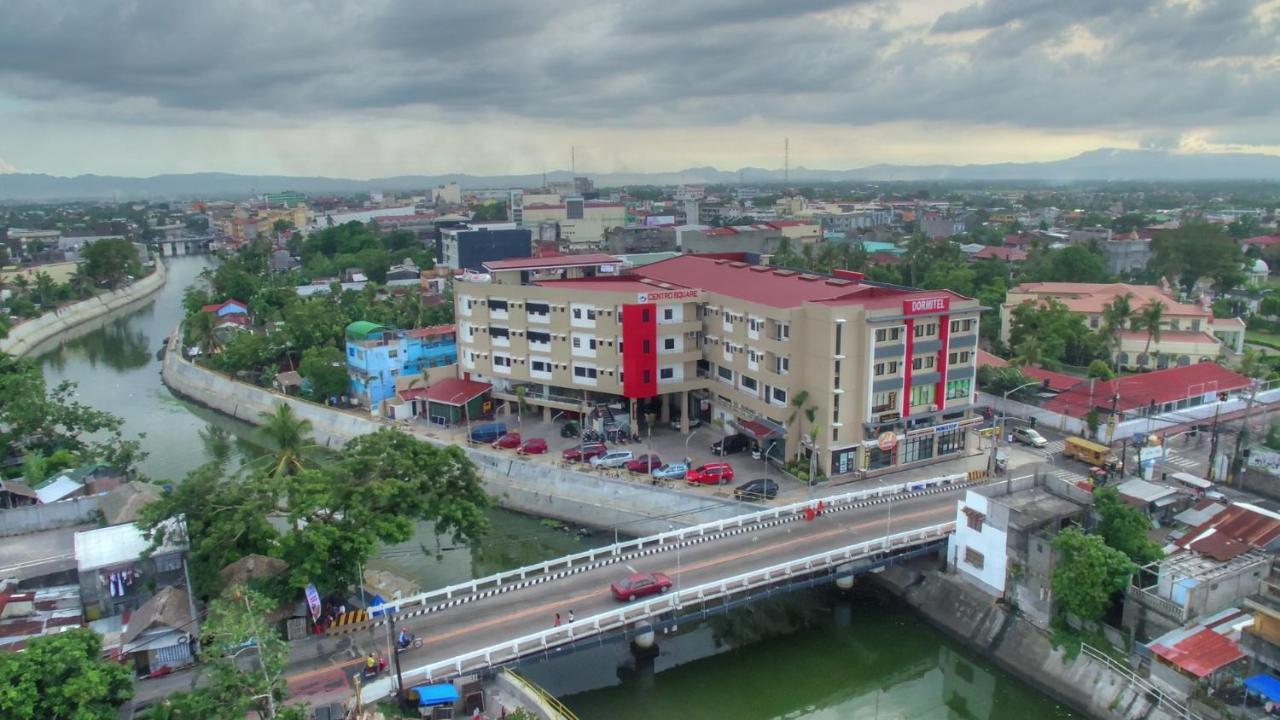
(817, 655)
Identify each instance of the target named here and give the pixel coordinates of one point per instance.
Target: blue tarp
(1264, 685)
(439, 694)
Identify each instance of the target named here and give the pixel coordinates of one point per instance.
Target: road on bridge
(321, 668)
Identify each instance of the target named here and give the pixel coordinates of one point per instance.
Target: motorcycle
(569, 430)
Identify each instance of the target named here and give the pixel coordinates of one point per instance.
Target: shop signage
(887, 441)
(313, 601)
(920, 306)
(657, 296)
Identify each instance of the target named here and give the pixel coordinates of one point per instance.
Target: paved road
(319, 668)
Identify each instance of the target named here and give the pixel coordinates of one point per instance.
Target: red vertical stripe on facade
(944, 334)
(906, 369)
(639, 350)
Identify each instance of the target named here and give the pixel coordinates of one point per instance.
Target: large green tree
(1062, 334)
(62, 677)
(288, 437)
(326, 369)
(1124, 527)
(1087, 574)
(109, 262)
(1198, 249)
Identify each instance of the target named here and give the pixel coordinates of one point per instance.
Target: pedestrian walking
(557, 620)
(570, 616)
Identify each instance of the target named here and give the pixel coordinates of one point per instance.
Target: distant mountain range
(1098, 165)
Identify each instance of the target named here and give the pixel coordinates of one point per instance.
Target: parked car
(671, 471)
(758, 489)
(613, 459)
(638, 585)
(710, 474)
(1027, 436)
(508, 441)
(730, 444)
(487, 432)
(693, 423)
(646, 463)
(533, 446)
(584, 452)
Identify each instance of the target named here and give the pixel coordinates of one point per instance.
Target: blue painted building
(377, 356)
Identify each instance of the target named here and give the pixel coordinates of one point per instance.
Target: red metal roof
(1057, 381)
(551, 262)
(767, 288)
(218, 306)
(1008, 254)
(1262, 240)
(621, 284)
(986, 359)
(455, 391)
(1200, 653)
(1235, 531)
(1138, 391)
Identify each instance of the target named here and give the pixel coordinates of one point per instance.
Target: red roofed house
(760, 238)
(1261, 242)
(889, 370)
(1162, 390)
(1006, 254)
(1190, 333)
(1212, 567)
(1187, 657)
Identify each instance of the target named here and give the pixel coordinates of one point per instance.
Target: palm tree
(22, 283)
(1117, 316)
(1150, 318)
(1029, 352)
(203, 331)
(217, 443)
(287, 435)
(797, 401)
(45, 287)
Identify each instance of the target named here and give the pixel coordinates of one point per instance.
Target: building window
(957, 389)
(782, 365)
(724, 373)
(537, 309)
(668, 314)
(926, 330)
(835, 410)
(749, 383)
(1093, 322)
(644, 347)
(950, 442)
(973, 557)
(888, 334)
(582, 371)
(668, 343)
(648, 378)
(922, 395)
(884, 401)
(540, 366)
(538, 338)
(887, 368)
(973, 519)
(835, 375)
(839, 337)
(923, 363)
(959, 358)
(780, 396)
(961, 325)
(501, 361)
(878, 459)
(666, 373)
(644, 315)
(784, 332)
(918, 448)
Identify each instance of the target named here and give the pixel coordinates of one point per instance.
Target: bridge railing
(630, 614)
(590, 559)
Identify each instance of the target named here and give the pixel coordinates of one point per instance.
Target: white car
(613, 459)
(1027, 436)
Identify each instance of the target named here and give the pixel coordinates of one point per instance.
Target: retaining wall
(537, 488)
(34, 518)
(27, 336)
(1019, 647)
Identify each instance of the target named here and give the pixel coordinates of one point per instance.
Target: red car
(710, 474)
(508, 441)
(638, 585)
(645, 464)
(584, 452)
(533, 446)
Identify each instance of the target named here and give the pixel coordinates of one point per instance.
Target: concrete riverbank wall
(63, 323)
(968, 615)
(538, 487)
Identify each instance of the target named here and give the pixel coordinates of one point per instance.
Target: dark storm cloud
(1151, 65)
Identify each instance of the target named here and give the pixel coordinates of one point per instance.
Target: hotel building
(886, 372)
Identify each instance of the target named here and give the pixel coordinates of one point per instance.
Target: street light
(693, 432)
(466, 413)
(991, 463)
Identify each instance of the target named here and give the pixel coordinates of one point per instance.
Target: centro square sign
(658, 296)
(921, 306)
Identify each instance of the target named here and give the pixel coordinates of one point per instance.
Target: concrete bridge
(502, 619)
(190, 245)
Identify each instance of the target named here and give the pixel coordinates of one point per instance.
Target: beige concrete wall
(26, 336)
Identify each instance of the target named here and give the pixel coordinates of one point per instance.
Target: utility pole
(1213, 443)
(1233, 470)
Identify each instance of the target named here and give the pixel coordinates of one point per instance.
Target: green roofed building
(361, 330)
(288, 198)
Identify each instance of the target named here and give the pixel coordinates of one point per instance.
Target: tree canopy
(1124, 527)
(63, 676)
(110, 261)
(1198, 249)
(1088, 574)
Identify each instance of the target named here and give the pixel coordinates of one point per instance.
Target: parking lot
(669, 445)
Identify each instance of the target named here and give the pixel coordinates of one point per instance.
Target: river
(815, 655)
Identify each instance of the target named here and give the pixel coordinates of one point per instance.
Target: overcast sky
(368, 88)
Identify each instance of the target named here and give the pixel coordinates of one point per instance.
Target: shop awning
(1264, 685)
(759, 430)
(438, 694)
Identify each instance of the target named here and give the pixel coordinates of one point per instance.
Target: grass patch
(1265, 339)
